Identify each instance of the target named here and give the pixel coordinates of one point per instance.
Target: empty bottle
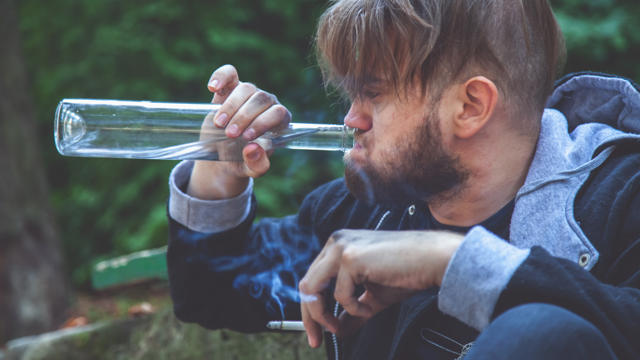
(172, 131)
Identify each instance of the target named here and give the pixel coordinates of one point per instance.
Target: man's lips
(357, 152)
(359, 144)
(358, 140)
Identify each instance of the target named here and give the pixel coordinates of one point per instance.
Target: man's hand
(390, 265)
(246, 112)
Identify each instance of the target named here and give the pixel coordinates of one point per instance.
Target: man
(510, 231)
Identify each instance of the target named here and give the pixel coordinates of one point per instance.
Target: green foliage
(601, 35)
(165, 50)
(162, 50)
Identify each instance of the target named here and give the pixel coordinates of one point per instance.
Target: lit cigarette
(285, 325)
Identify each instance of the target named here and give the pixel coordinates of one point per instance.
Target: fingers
(315, 316)
(256, 161)
(349, 275)
(314, 313)
(371, 302)
(322, 270)
(234, 101)
(222, 82)
(312, 328)
(250, 112)
(245, 110)
(274, 118)
(344, 294)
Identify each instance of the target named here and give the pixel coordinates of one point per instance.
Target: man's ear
(478, 97)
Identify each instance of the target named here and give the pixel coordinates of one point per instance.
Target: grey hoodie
(602, 111)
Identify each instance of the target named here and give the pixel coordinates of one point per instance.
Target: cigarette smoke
(274, 261)
(271, 270)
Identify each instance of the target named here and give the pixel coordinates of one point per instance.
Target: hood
(588, 115)
(598, 98)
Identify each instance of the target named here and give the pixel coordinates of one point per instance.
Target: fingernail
(249, 134)
(232, 130)
(213, 85)
(221, 119)
(254, 155)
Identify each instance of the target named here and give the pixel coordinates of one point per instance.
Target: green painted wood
(138, 266)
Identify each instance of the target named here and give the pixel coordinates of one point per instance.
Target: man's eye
(371, 94)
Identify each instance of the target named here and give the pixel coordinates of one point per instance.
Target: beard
(419, 168)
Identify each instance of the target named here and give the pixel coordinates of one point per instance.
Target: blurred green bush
(601, 35)
(165, 50)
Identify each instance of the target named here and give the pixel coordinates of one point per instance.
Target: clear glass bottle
(172, 131)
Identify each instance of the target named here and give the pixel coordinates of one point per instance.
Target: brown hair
(515, 43)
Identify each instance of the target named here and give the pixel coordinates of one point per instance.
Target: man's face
(399, 156)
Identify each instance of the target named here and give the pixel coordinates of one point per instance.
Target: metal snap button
(584, 259)
(412, 210)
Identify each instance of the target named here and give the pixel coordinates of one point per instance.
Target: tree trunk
(33, 291)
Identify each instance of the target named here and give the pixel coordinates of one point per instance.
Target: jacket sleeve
(608, 296)
(244, 276)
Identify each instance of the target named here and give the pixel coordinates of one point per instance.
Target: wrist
(212, 180)
(449, 246)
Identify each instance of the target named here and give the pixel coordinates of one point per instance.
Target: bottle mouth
(69, 127)
(349, 138)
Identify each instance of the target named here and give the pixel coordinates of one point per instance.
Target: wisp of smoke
(271, 271)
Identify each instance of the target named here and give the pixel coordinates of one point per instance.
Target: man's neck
(497, 172)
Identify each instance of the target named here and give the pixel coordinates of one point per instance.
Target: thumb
(256, 161)
(372, 301)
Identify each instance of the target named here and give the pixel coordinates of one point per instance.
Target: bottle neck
(301, 136)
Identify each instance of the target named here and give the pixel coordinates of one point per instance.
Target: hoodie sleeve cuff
(476, 276)
(207, 216)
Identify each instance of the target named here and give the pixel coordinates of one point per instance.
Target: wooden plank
(138, 266)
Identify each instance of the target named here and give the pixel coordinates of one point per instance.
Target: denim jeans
(540, 331)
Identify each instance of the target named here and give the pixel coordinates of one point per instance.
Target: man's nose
(358, 117)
